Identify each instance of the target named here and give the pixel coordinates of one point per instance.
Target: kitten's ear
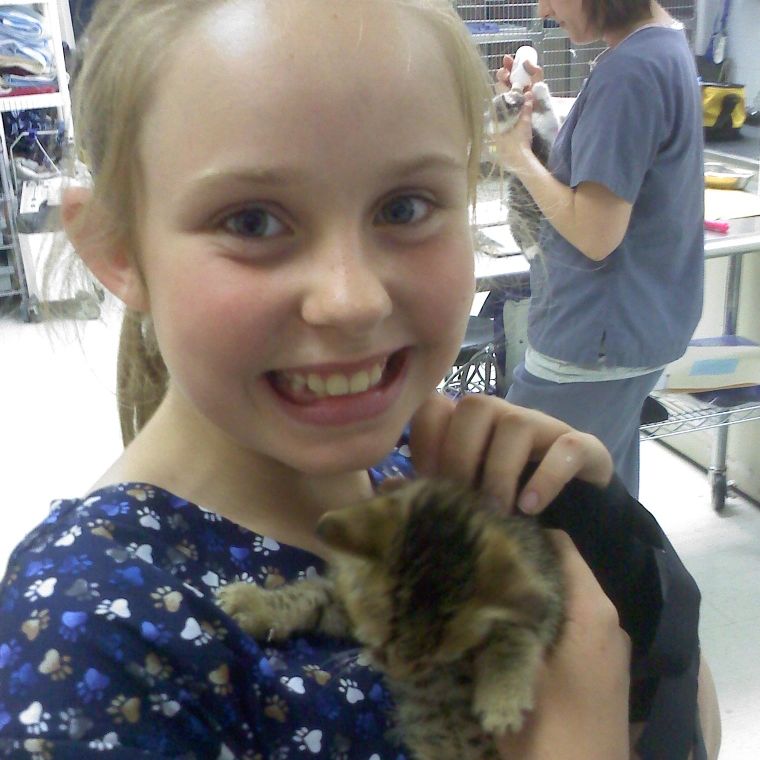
(364, 530)
(88, 227)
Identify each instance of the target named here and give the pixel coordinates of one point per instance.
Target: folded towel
(24, 64)
(21, 23)
(38, 53)
(17, 80)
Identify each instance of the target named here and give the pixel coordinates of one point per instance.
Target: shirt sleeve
(101, 650)
(618, 131)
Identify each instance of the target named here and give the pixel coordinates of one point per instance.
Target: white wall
(743, 40)
(744, 45)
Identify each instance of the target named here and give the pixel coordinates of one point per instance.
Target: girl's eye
(406, 209)
(253, 222)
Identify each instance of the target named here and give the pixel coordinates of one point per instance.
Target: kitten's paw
(506, 713)
(506, 111)
(541, 92)
(249, 605)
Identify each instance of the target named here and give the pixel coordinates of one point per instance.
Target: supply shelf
(687, 414)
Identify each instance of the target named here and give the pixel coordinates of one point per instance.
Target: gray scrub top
(636, 128)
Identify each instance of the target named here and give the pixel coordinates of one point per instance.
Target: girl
(281, 200)
(618, 291)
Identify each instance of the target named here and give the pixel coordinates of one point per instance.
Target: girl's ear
(105, 256)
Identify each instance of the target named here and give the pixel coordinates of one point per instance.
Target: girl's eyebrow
(428, 161)
(286, 175)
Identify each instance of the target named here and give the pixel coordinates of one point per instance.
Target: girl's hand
(503, 80)
(581, 709)
(487, 442)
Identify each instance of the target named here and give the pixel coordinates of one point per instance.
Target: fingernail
(528, 502)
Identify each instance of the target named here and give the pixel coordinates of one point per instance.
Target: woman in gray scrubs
(617, 291)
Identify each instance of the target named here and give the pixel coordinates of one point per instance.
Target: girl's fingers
(513, 445)
(468, 442)
(428, 431)
(572, 455)
(487, 442)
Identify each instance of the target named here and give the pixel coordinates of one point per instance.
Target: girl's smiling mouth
(312, 385)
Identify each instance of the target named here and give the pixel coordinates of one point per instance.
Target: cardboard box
(728, 361)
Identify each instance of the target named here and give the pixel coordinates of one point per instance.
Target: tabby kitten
(524, 216)
(453, 601)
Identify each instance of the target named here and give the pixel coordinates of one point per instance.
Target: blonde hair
(125, 46)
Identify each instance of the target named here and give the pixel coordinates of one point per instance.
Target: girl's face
(305, 236)
(572, 17)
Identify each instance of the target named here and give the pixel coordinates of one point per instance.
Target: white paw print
(310, 572)
(308, 739)
(35, 719)
(210, 516)
(109, 741)
(69, 537)
(163, 704)
(41, 589)
(141, 551)
(149, 518)
(196, 632)
(352, 691)
(264, 545)
(118, 608)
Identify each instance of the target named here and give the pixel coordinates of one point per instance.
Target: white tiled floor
(59, 430)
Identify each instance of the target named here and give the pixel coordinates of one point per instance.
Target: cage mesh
(501, 27)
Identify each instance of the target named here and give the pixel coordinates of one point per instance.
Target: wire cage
(501, 27)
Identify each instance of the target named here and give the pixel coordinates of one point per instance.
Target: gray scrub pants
(610, 410)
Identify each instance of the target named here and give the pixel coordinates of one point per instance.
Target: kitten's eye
(405, 209)
(253, 223)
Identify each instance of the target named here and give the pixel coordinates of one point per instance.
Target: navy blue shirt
(111, 641)
(636, 128)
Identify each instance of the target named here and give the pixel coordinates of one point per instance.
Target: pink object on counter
(716, 226)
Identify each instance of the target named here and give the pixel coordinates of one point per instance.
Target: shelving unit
(14, 280)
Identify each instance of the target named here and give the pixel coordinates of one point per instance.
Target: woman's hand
(487, 442)
(581, 708)
(503, 75)
(514, 147)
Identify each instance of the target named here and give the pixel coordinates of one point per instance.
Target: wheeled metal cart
(688, 413)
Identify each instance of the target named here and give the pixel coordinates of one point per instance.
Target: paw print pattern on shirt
(41, 589)
(149, 519)
(265, 546)
(351, 690)
(38, 621)
(35, 719)
(167, 598)
(118, 608)
(110, 637)
(309, 740)
(69, 537)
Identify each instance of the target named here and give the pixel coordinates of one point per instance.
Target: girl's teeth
(316, 384)
(336, 384)
(359, 382)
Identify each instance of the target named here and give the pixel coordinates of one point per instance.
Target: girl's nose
(347, 288)
(544, 9)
